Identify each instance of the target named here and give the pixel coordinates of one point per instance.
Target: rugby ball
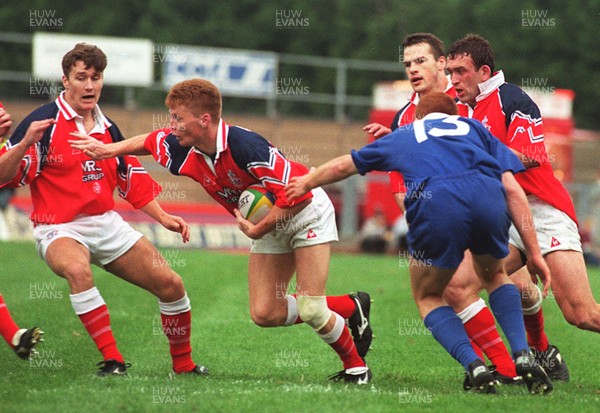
(255, 203)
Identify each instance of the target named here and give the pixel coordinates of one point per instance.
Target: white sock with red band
(340, 339)
(93, 313)
(292, 313)
(176, 320)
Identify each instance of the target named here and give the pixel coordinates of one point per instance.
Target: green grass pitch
(255, 369)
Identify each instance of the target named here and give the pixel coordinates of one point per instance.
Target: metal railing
(340, 99)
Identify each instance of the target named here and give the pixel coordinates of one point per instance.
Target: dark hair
(435, 102)
(475, 46)
(197, 95)
(89, 54)
(436, 45)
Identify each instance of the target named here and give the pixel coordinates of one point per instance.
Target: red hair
(435, 102)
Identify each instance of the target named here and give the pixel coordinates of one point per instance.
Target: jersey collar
(69, 113)
(222, 133)
(489, 86)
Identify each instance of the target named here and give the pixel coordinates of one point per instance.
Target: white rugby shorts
(106, 236)
(555, 230)
(314, 225)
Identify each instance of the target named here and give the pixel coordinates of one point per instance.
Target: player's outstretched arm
(170, 222)
(96, 149)
(331, 171)
(521, 217)
(11, 160)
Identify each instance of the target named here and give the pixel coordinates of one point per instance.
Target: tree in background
(551, 42)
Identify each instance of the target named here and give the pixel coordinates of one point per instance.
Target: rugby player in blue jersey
(461, 194)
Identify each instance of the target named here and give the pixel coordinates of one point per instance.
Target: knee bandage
(538, 304)
(313, 310)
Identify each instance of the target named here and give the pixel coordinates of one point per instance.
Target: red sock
(97, 324)
(481, 328)
(178, 329)
(8, 327)
(477, 350)
(340, 304)
(340, 340)
(536, 336)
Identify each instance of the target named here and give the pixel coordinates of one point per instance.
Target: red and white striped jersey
(243, 158)
(512, 117)
(66, 183)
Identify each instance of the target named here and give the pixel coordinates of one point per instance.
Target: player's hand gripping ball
(255, 203)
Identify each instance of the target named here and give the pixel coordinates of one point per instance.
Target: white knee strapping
(471, 311)
(176, 307)
(292, 310)
(538, 304)
(313, 310)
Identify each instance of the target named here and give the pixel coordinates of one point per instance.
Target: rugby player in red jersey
(512, 117)
(21, 340)
(225, 160)
(73, 217)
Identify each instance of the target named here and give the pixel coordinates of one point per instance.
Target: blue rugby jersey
(437, 145)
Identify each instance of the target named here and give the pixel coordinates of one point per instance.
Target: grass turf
(254, 369)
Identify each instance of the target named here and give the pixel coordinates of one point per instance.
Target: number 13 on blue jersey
(422, 133)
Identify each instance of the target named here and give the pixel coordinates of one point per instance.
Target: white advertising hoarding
(391, 95)
(130, 61)
(235, 72)
(553, 103)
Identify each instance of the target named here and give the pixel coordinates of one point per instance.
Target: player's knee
(170, 287)
(580, 318)
(263, 316)
(573, 317)
(456, 296)
(313, 310)
(77, 273)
